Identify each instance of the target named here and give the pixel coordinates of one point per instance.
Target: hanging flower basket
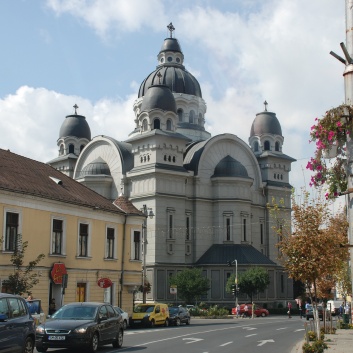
(330, 134)
(146, 288)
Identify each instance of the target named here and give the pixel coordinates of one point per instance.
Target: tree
(191, 284)
(255, 280)
(22, 280)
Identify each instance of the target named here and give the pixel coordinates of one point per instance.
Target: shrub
(317, 346)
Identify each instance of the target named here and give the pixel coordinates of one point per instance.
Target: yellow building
(93, 240)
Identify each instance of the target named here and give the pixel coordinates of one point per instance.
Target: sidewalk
(340, 342)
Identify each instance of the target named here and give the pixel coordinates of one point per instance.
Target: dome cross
(75, 106)
(266, 104)
(171, 29)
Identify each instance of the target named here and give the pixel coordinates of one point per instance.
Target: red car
(258, 310)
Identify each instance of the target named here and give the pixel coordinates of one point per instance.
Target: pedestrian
(289, 306)
(29, 297)
(52, 306)
(340, 310)
(346, 309)
(246, 310)
(301, 310)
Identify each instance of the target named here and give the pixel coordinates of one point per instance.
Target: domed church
(205, 197)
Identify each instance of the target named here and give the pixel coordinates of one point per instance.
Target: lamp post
(148, 213)
(230, 263)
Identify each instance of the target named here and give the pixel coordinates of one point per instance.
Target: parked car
(124, 315)
(35, 308)
(17, 326)
(150, 314)
(85, 325)
(258, 310)
(309, 314)
(178, 315)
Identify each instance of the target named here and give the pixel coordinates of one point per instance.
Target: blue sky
(96, 53)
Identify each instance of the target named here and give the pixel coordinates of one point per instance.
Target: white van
(333, 306)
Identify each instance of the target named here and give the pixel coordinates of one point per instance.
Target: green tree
(23, 279)
(255, 280)
(191, 285)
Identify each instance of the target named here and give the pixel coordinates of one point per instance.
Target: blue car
(17, 326)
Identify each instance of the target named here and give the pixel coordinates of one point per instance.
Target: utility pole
(348, 90)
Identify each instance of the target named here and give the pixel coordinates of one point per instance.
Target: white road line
(282, 328)
(226, 344)
(301, 329)
(254, 334)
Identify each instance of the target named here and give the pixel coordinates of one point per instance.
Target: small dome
(265, 123)
(230, 167)
(171, 44)
(158, 97)
(97, 167)
(75, 125)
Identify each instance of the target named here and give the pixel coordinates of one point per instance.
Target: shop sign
(104, 282)
(57, 272)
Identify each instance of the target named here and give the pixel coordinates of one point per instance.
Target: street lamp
(148, 213)
(230, 263)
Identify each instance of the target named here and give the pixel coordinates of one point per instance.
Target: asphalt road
(265, 335)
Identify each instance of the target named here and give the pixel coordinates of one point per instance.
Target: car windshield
(143, 308)
(76, 313)
(173, 310)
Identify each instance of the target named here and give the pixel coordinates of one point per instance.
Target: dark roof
(219, 254)
(158, 97)
(230, 167)
(265, 123)
(26, 176)
(171, 44)
(75, 125)
(97, 167)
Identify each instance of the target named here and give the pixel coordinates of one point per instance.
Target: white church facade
(208, 194)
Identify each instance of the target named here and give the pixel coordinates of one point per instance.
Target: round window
(177, 60)
(170, 58)
(162, 60)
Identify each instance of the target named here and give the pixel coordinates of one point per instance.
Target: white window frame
(89, 242)
(115, 242)
(63, 245)
(19, 229)
(228, 215)
(132, 244)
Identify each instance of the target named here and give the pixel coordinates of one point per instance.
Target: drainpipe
(122, 264)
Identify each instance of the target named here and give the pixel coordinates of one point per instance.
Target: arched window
(180, 114)
(174, 159)
(256, 146)
(169, 125)
(82, 147)
(200, 119)
(156, 124)
(191, 117)
(267, 145)
(165, 157)
(144, 125)
(71, 148)
(277, 146)
(61, 151)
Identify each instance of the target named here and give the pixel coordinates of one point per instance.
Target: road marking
(226, 344)
(264, 342)
(192, 340)
(249, 328)
(282, 328)
(300, 329)
(254, 334)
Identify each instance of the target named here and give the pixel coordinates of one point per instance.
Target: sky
(96, 53)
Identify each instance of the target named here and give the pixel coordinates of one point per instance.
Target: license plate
(56, 338)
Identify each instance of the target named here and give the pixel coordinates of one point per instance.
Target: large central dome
(171, 72)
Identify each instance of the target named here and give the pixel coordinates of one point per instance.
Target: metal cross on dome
(159, 75)
(75, 106)
(171, 29)
(266, 104)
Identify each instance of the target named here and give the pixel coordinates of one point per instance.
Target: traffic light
(233, 289)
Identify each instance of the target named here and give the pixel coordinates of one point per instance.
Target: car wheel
(166, 323)
(177, 322)
(263, 314)
(94, 343)
(41, 349)
(153, 324)
(125, 325)
(28, 346)
(188, 321)
(119, 340)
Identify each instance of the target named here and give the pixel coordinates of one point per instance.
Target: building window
(156, 124)
(191, 117)
(244, 229)
(180, 115)
(267, 146)
(277, 146)
(228, 234)
(169, 125)
(71, 148)
(256, 146)
(83, 240)
(282, 283)
(261, 233)
(57, 236)
(170, 226)
(11, 231)
(144, 125)
(82, 147)
(137, 245)
(187, 234)
(110, 243)
(200, 119)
